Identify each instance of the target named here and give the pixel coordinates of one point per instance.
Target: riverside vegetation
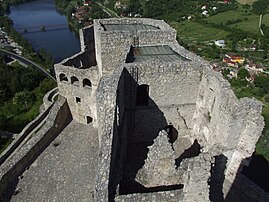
(21, 88)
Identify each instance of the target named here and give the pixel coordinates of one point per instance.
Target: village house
(87, 3)
(220, 43)
(235, 58)
(203, 7)
(254, 67)
(229, 62)
(205, 12)
(80, 13)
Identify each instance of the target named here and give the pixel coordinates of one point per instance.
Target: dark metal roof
(163, 53)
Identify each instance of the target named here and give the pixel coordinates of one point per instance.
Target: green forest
(21, 88)
(21, 93)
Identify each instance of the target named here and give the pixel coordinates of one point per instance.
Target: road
(27, 62)
(260, 25)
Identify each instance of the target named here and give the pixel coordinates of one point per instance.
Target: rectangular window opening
(78, 100)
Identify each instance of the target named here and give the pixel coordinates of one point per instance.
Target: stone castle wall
(58, 118)
(87, 104)
(169, 87)
(196, 176)
(100, 87)
(112, 46)
(204, 99)
(108, 130)
(81, 96)
(225, 125)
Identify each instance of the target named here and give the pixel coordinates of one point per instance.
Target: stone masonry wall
(107, 111)
(197, 174)
(156, 37)
(225, 125)
(170, 85)
(162, 25)
(87, 104)
(113, 46)
(114, 49)
(80, 97)
(13, 167)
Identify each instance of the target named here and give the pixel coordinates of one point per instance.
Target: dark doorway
(142, 95)
(88, 119)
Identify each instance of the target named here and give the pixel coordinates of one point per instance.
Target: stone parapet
(13, 167)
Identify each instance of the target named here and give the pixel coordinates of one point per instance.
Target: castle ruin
(168, 127)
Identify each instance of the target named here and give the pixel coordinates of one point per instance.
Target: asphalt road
(27, 62)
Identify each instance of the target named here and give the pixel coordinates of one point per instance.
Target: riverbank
(80, 14)
(21, 89)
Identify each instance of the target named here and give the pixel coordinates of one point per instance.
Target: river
(59, 43)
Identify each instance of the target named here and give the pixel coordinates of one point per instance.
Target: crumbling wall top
(160, 24)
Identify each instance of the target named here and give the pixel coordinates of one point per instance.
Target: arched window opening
(87, 83)
(63, 77)
(74, 80)
(142, 95)
(88, 119)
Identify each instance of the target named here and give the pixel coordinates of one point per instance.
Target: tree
(266, 98)
(2, 96)
(262, 82)
(259, 7)
(23, 99)
(242, 73)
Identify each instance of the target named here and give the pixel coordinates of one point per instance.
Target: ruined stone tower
(159, 111)
(132, 79)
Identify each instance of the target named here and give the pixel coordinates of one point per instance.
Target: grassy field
(250, 25)
(226, 16)
(265, 19)
(249, 21)
(243, 2)
(198, 32)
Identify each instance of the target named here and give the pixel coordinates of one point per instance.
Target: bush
(266, 98)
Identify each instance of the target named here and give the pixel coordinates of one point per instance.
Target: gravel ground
(65, 171)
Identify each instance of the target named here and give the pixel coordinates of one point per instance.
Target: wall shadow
(251, 182)
(145, 122)
(141, 189)
(137, 128)
(217, 178)
(172, 133)
(258, 171)
(193, 151)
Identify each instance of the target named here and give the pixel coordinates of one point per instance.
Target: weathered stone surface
(65, 171)
(159, 168)
(185, 94)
